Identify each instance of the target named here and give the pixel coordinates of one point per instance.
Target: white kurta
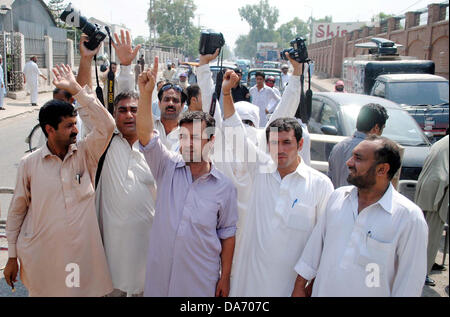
(262, 99)
(125, 204)
(382, 251)
(32, 72)
(280, 218)
(235, 170)
(2, 87)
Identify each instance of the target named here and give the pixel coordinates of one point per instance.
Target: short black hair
(192, 91)
(127, 94)
(369, 116)
(191, 116)
(286, 124)
(113, 63)
(53, 112)
(389, 153)
(67, 94)
(161, 92)
(260, 74)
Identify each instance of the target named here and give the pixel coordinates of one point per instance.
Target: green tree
(139, 40)
(57, 7)
(381, 17)
(172, 20)
(260, 16)
(262, 19)
(290, 30)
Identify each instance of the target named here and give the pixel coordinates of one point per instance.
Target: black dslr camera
(210, 42)
(298, 52)
(73, 17)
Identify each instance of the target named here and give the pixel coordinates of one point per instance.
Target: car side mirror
(329, 130)
(430, 136)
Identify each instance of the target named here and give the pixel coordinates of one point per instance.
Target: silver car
(335, 114)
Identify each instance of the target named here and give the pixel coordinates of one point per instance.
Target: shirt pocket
(300, 217)
(84, 187)
(205, 214)
(374, 254)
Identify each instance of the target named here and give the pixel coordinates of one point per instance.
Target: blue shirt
(341, 153)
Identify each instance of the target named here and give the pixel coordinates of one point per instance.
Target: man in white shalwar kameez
(31, 74)
(126, 192)
(285, 202)
(237, 171)
(2, 85)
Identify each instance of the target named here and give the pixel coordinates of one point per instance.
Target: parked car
(244, 65)
(270, 64)
(424, 96)
(335, 114)
(251, 80)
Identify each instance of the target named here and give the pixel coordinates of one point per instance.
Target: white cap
(248, 111)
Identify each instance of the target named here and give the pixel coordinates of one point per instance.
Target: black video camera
(298, 52)
(210, 42)
(73, 17)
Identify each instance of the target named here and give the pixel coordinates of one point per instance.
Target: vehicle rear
(335, 114)
(425, 97)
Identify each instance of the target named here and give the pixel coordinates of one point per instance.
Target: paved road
(12, 138)
(13, 132)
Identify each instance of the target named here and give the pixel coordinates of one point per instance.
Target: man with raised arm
(126, 190)
(51, 227)
(285, 204)
(192, 238)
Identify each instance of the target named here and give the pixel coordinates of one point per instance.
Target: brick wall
(428, 41)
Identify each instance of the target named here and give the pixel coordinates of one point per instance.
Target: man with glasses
(371, 120)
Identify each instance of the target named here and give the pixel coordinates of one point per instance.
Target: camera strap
(111, 78)
(98, 90)
(218, 89)
(304, 108)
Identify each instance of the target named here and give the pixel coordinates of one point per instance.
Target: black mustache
(171, 107)
(73, 135)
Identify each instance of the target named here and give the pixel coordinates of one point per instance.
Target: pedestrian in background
(2, 85)
(432, 197)
(31, 74)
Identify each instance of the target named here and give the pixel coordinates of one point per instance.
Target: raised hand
(124, 49)
(297, 66)
(64, 79)
(147, 79)
(206, 59)
(84, 51)
(229, 81)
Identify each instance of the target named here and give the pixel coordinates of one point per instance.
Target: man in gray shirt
(371, 120)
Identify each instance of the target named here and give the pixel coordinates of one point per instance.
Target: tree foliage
(57, 7)
(172, 20)
(381, 17)
(290, 30)
(260, 16)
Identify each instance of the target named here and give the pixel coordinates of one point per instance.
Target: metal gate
(34, 41)
(59, 37)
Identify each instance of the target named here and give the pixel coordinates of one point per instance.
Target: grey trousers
(435, 229)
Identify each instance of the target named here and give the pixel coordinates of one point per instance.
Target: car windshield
(400, 126)
(418, 93)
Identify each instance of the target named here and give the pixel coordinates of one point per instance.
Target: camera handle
(304, 108)
(98, 90)
(218, 89)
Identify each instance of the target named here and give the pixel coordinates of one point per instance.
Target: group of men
(204, 203)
